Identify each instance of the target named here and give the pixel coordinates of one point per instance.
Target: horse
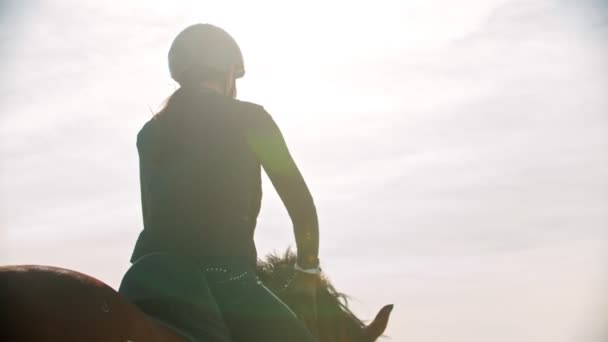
(47, 303)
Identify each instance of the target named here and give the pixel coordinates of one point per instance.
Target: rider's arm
(271, 151)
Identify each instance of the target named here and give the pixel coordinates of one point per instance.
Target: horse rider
(200, 161)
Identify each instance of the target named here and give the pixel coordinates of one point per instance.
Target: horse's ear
(378, 325)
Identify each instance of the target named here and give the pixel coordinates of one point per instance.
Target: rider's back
(200, 180)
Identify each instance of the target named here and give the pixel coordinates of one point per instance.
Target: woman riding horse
(200, 171)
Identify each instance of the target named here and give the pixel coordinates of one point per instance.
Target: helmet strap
(231, 88)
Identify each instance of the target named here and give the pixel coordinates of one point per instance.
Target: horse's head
(335, 321)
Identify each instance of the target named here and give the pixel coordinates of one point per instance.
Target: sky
(456, 151)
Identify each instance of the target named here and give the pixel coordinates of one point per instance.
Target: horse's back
(55, 304)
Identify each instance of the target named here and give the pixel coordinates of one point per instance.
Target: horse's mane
(277, 270)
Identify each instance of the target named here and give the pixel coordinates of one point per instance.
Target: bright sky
(457, 151)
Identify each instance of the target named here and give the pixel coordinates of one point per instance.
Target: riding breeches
(210, 302)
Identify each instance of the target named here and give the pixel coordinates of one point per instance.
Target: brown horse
(45, 303)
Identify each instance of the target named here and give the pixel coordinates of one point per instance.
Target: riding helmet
(204, 47)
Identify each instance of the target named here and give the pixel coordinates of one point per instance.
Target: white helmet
(204, 47)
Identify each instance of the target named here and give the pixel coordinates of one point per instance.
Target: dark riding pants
(210, 302)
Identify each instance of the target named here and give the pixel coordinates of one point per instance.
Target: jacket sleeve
(269, 147)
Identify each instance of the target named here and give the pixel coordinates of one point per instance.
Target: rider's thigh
(253, 313)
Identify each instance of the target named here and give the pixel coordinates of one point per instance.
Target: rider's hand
(304, 287)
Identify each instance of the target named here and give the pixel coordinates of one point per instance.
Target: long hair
(181, 99)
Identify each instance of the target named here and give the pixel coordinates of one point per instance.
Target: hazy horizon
(457, 152)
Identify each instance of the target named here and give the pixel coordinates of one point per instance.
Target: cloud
(553, 293)
(516, 165)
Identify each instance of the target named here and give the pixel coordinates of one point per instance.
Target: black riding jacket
(200, 172)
